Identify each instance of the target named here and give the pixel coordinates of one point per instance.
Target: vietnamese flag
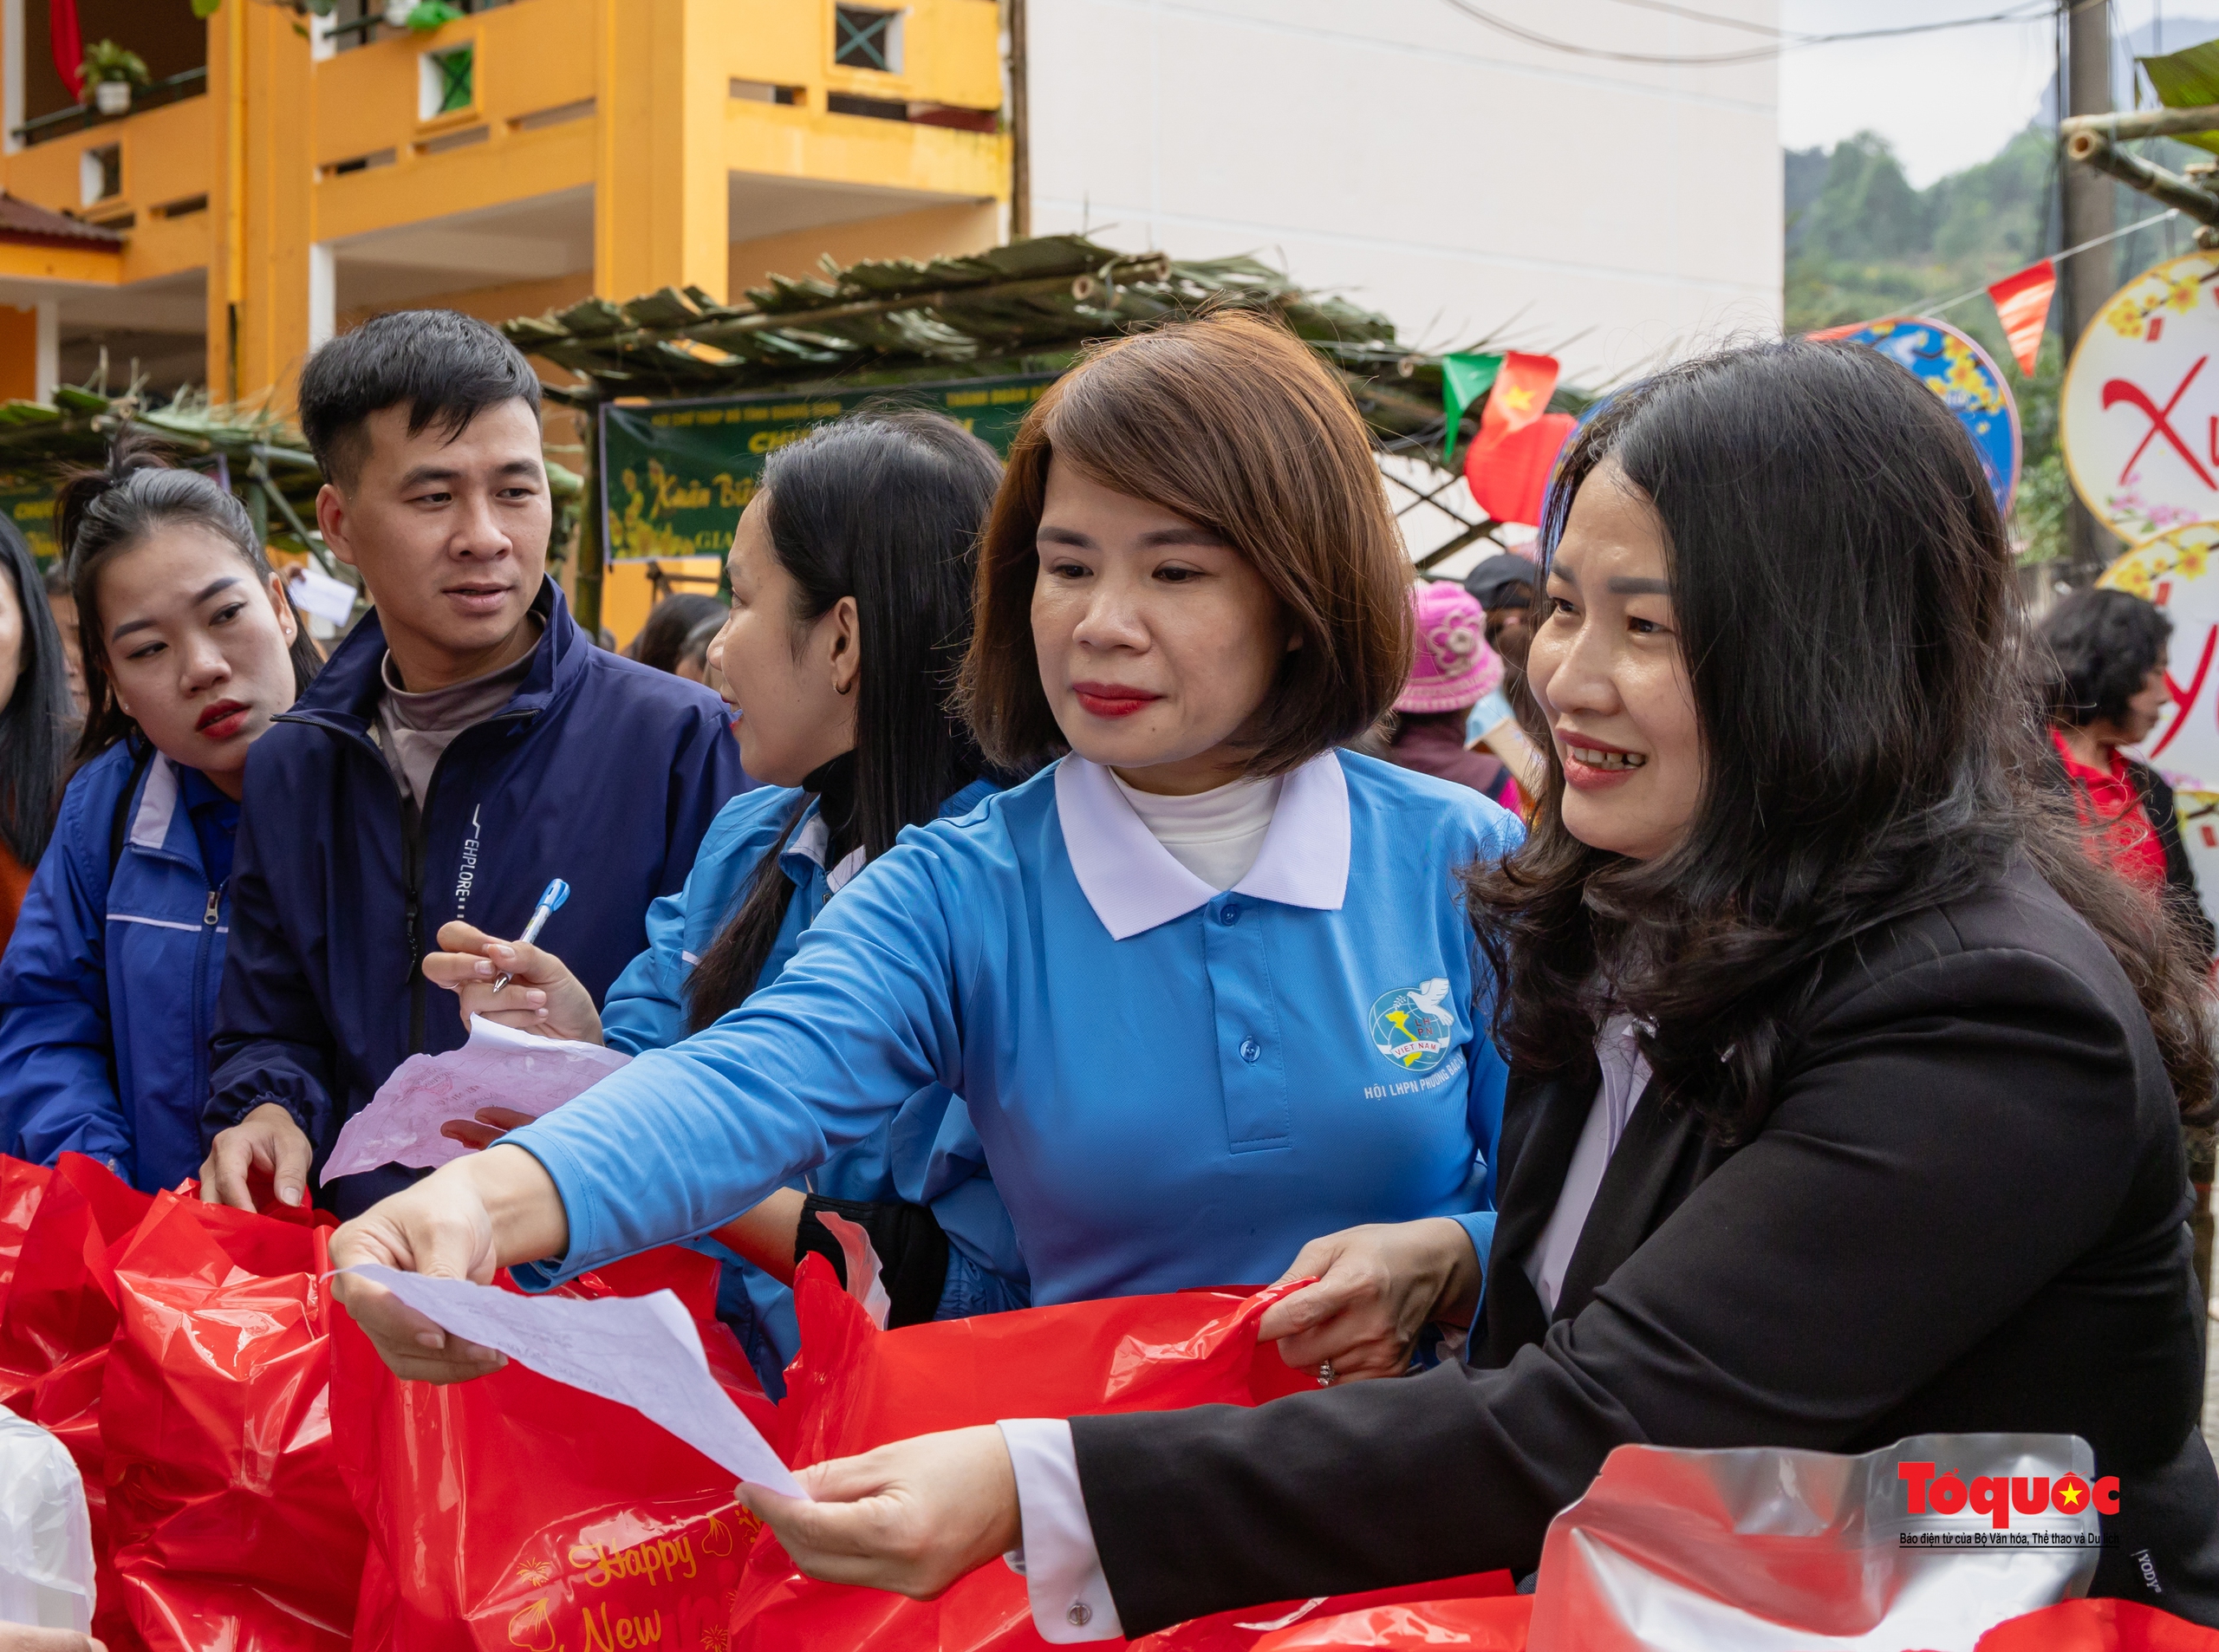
(2022, 305)
(1510, 460)
(1510, 479)
(1520, 394)
(69, 42)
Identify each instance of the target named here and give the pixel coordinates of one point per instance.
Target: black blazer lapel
(1542, 1119)
(1659, 1161)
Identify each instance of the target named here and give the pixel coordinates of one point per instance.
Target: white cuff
(1058, 1560)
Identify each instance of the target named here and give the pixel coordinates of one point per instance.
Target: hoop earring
(844, 692)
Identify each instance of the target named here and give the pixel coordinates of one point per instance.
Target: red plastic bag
(2099, 1626)
(229, 1525)
(1497, 1625)
(1481, 1612)
(54, 1339)
(855, 1387)
(22, 1186)
(514, 1511)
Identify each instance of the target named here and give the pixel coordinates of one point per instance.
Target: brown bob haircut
(1231, 422)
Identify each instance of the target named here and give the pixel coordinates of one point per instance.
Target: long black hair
(103, 513)
(885, 508)
(1850, 621)
(35, 728)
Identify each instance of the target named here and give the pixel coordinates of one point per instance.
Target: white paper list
(639, 1351)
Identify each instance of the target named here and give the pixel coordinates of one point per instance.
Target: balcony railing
(372, 25)
(193, 83)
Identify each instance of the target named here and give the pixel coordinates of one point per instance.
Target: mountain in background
(1864, 244)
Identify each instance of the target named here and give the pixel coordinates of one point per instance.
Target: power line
(1692, 15)
(2024, 13)
(2059, 257)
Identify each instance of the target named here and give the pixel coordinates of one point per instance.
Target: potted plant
(110, 72)
(419, 16)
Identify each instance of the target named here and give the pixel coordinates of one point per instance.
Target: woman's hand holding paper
(912, 1516)
(1376, 1287)
(542, 995)
(462, 1222)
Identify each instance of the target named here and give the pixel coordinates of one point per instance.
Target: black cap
(1486, 583)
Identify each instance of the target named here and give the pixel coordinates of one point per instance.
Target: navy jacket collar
(346, 692)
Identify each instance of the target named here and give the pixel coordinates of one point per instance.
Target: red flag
(69, 42)
(2022, 305)
(1508, 464)
(1522, 388)
(1510, 479)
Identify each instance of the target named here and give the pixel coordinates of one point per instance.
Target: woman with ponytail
(109, 988)
(851, 576)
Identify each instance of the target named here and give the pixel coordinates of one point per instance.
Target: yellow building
(286, 174)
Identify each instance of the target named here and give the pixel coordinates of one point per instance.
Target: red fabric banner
(1510, 479)
(1520, 395)
(1509, 462)
(69, 42)
(2022, 305)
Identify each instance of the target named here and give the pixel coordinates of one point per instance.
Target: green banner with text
(26, 500)
(675, 475)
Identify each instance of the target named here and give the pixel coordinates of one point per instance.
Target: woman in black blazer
(1847, 1091)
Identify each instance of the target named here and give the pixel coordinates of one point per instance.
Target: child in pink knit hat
(1453, 669)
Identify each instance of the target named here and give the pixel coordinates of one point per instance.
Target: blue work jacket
(599, 770)
(107, 990)
(927, 1154)
(1175, 1087)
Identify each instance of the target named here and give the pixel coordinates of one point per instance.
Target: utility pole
(1020, 128)
(2089, 197)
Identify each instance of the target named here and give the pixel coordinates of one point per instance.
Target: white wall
(1461, 181)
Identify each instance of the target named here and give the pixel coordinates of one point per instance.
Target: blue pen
(552, 896)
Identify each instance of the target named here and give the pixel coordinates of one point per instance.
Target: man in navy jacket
(466, 743)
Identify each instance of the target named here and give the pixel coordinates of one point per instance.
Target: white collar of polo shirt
(1134, 884)
(811, 842)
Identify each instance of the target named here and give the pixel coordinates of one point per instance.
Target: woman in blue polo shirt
(109, 986)
(1204, 984)
(850, 606)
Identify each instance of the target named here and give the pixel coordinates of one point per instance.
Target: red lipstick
(1113, 699)
(222, 720)
(1590, 764)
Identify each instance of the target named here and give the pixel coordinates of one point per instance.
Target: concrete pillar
(324, 295)
(48, 348)
(262, 203)
(661, 208)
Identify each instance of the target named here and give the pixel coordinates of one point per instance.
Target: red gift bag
(855, 1387)
(1481, 1612)
(229, 1524)
(2099, 1626)
(22, 1186)
(54, 1339)
(514, 1511)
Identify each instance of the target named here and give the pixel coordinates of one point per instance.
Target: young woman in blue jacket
(109, 986)
(1206, 984)
(851, 577)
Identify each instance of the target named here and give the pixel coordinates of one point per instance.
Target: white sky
(1944, 100)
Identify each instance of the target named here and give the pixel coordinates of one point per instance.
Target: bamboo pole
(2144, 123)
(2092, 148)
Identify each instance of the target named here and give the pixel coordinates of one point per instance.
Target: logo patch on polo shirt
(1412, 1026)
